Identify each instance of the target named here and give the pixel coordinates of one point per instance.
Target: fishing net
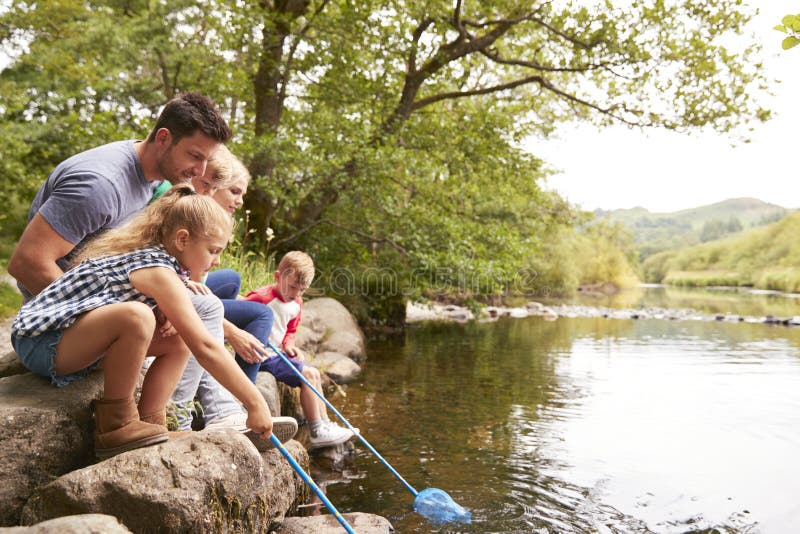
(438, 507)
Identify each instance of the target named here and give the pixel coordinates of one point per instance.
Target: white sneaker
(284, 429)
(355, 430)
(329, 435)
(237, 422)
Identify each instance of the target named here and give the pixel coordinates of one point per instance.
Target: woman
(248, 325)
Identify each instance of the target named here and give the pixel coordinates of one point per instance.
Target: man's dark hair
(189, 112)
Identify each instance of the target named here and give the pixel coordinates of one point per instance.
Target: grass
(10, 300)
(705, 278)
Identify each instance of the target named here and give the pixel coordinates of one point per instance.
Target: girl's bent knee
(138, 318)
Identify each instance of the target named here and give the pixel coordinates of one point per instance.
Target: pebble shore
(418, 312)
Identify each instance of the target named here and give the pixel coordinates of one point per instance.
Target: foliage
(381, 134)
(10, 300)
(605, 253)
(766, 258)
(715, 229)
(256, 268)
(599, 252)
(790, 24)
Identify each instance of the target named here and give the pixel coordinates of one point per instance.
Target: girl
(101, 310)
(248, 326)
(220, 409)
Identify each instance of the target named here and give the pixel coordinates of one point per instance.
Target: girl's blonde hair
(300, 264)
(179, 208)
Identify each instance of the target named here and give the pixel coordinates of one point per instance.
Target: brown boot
(118, 428)
(160, 418)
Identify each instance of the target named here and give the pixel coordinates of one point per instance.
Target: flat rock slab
(73, 524)
(327, 524)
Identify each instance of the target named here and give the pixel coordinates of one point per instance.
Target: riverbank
(202, 481)
(417, 312)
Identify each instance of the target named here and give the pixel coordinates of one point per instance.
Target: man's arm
(33, 262)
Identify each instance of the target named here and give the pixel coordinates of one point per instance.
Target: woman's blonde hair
(179, 208)
(238, 170)
(219, 168)
(224, 169)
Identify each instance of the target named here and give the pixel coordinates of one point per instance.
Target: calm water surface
(583, 425)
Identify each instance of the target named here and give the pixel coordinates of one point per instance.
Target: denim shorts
(281, 371)
(37, 354)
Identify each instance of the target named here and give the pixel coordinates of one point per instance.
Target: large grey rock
(73, 524)
(327, 524)
(325, 318)
(338, 366)
(204, 482)
(44, 433)
(268, 386)
(10, 364)
(346, 343)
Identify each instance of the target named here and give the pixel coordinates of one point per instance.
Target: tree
(734, 225)
(712, 230)
(384, 132)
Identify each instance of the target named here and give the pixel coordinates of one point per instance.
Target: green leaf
(790, 42)
(792, 22)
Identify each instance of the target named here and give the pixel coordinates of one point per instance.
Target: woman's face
(231, 198)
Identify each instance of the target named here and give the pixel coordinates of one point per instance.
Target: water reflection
(583, 425)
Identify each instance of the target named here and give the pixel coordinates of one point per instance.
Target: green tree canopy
(382, 132)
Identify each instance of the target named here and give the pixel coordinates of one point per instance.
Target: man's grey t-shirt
(92, 192)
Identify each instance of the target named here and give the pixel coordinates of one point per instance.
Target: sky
(618, 167)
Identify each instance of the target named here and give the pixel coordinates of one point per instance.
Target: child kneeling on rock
(293, 276)
(102, 311)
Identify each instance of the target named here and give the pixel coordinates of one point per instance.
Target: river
(586, 425)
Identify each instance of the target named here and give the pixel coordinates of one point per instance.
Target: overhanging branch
(517, 83)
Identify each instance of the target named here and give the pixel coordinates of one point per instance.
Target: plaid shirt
(95, 282)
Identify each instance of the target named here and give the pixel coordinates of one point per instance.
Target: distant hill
(657, 232)
(767, 257)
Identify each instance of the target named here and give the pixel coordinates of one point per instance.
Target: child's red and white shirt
(286, 314)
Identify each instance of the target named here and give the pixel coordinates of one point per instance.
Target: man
(102, 187)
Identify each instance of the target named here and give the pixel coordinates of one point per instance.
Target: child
(221, 410)
(294, 275)
(101, 310)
